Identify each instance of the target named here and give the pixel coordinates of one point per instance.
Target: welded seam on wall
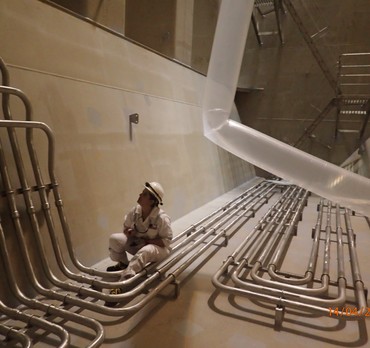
(315, 175)
(75, 79)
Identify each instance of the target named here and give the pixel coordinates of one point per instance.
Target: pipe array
(271, 231)
(249, 266)
(250, 203)
(193, 241)
(85, 288)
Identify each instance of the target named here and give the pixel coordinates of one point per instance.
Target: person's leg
(117, 251)
(119, 246)
(148, 253)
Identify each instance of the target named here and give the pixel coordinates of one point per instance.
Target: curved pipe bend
(309, 274)
(315, 175)
(275, 297)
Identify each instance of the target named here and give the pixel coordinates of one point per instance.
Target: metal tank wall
(84, 83)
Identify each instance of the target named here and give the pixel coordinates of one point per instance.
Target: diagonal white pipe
(307, 171)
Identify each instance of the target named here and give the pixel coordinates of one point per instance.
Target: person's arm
(165, 233)
(128, 231)
(128, 221)
(155, 241)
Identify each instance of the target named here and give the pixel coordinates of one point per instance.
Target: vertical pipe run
(274, 234)
(326, 265)
(278, 255)
(28, 264)
(253, 236)
(340, 256)
(355, 267)
(266, 228)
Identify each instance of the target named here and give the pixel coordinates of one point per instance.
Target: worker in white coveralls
(147, 234)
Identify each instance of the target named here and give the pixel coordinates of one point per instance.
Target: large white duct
(318, 176)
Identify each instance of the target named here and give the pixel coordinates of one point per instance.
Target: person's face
(145, 199)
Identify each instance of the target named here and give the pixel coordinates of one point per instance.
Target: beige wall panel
(85, 83)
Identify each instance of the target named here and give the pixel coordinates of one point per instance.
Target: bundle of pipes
(190, 244)
(295, 290)
(84, 288)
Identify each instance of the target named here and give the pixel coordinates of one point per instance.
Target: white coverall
(156, 225)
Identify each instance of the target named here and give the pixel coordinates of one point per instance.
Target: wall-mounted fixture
(133, 118)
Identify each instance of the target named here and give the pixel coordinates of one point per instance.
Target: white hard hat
(156, 190)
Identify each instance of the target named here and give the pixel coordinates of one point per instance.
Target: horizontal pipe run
(355, 266)
(288, 290)
(247, 208)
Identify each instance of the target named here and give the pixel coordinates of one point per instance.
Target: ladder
(279, 6)
(265, 7)
(352, 100)
(309, 40)
(353, 94)
(308, 132)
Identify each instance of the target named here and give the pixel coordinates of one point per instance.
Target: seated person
(146, 234)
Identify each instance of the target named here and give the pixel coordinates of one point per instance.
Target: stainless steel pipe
(46, 308)
(297, 289)
(13, 334)
(311, 267)
(33, 320)
(355, 267)
(273, 291)
(80, 289)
